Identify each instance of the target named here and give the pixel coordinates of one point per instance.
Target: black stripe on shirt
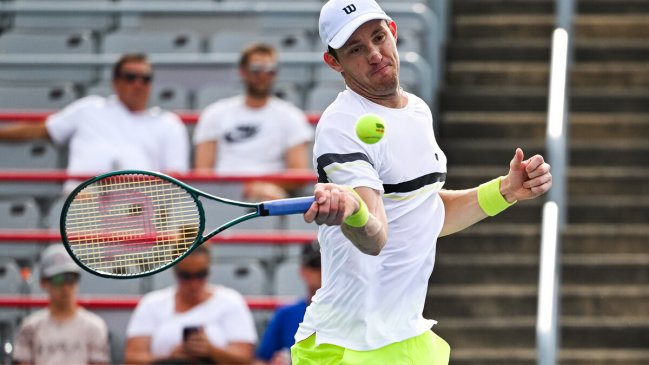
(329, 158)
(412, 185)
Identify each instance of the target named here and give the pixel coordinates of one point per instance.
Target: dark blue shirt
(280, 333)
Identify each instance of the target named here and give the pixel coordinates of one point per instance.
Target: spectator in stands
(254, 133)
(191, 322)
(63, 333)
(280, 333)
(118, 132)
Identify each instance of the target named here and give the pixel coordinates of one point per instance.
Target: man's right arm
(24, 132)
(205, 156)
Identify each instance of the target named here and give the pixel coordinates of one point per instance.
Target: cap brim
(343, 35)
(60, 269)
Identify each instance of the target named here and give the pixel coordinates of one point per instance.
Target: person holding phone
(192, 322)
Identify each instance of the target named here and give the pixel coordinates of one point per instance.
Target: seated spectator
(192, 322)
(63, 333)
(118, 132)
(280, 333)
(254, 133)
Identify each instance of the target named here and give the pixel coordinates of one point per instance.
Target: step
(527, 99)
(572, 356)
(519, 332)
(484, 151)
(511, 238)
(617, 50)
(628, 26)
(499, 7)
(590, 126)
(522, 269)
(536, 74)
(502, 27)
(583, 181)
(613, 6)
(493, 300)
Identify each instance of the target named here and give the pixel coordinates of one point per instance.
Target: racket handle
(286, 206)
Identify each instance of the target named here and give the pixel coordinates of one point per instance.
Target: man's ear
(393, 29)
(332, 62)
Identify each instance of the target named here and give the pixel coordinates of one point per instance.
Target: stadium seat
(37, 154)
(287, 280)
(47, 97)
(152, 42)
(45, 42)
(209, 93)
(17, 214)
(10, 284)
(65, 22)
(248, 278)
(320, 96)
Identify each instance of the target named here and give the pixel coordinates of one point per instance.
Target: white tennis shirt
(367, 302)
(252, 140)
(103, 135)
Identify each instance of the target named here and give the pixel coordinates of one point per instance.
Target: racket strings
(130, 224)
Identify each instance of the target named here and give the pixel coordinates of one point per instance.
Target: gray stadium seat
(248, 278)
(320, 96)
(209, 93)
(65, 22)
(153, 42)
(10, 284)
(51, 97)
(18, 214)
(287, 280)
(37, 154)
(48, 43)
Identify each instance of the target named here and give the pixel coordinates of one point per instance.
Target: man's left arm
(526, 179)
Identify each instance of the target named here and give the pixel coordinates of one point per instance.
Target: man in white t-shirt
(118, 132)
(381, 206)
(254, 133)
(63, 333)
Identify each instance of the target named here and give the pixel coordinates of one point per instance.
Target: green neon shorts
(425, 349)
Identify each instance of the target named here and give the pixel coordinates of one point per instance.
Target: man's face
(192, 274)
(133, 85)
(61, 288)
(259, 74)
(369, 60)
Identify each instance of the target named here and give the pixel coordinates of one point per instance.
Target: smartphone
(187, 331)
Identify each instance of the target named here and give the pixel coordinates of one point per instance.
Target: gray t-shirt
(82, 339)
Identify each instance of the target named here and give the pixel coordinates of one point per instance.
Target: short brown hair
(255, 48)
(126, 58)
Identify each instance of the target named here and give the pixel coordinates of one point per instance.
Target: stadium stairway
(483, 290)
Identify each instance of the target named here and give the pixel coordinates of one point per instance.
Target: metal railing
(555, 210)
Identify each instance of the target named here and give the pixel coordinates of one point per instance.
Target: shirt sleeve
(98, 346)
(207, 128)
(23, 344)
(238, 323)
(142, 322)
(176, 150)
(341, 158)
(62, 125)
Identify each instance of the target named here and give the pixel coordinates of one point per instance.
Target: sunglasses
(198, 275)
(262, 67)
(64, 278)
(131, 77)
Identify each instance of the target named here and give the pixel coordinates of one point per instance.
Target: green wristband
(362, 215)
(490, 199)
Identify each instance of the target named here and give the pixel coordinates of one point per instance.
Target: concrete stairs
(483, 290)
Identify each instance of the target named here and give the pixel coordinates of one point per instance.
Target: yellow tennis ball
(370, 128)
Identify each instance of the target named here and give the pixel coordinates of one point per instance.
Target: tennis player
(381, 207)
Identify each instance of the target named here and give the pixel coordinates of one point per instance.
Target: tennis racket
(128, 224)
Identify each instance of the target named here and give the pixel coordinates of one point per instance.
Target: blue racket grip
(286, 206)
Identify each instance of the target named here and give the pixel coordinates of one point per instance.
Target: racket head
(128, 224)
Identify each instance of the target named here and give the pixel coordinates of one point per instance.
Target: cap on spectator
(56, 260)
(340, 18)
(311, 255)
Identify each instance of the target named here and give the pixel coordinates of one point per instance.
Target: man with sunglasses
(118, 132)
(63, 333)
(254, 133)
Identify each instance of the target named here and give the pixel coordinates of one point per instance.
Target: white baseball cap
(340, 18)
(56, 260)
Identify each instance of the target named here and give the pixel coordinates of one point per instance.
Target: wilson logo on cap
(349, 8)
